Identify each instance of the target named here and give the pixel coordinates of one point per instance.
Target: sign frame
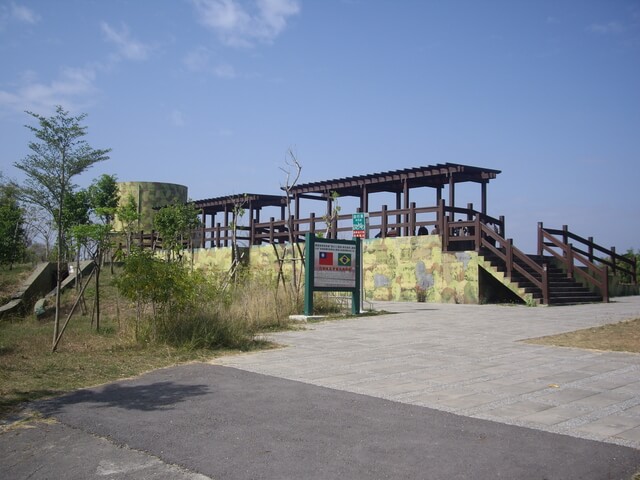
(339, 283)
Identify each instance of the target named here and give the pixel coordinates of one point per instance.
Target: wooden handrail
(569, 256)
(513, 258)
(628, 267)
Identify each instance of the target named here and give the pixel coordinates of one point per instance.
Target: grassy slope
(29, 370)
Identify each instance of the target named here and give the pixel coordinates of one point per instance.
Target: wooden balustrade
(589, 254)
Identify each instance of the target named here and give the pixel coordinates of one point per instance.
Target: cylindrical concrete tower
(150, 196)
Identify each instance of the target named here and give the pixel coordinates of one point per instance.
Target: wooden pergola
(400, 182)
(211, 208)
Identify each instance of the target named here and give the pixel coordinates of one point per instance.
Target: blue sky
(211, 94)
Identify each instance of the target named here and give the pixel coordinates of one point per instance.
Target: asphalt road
(200, 420)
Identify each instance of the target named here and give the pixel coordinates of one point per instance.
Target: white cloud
(606, 28)
(73, 89)
(199, 61)
(129, 48)
(24, 14)
(243, 24)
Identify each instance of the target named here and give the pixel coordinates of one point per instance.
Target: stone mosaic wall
(397, 269)
(262, 260)
(416, 269)
(150, 196)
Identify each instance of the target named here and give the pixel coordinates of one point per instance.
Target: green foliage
(104, 195)
(60, 154)
(12, 232)
(174, 224)
(632, 255)
(181, 307)
(127, 214)
(95, 237)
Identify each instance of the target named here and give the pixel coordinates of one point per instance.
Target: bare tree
(39, 225)
(292, 171)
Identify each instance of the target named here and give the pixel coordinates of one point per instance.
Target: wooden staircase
(567, 269)
(562, 290)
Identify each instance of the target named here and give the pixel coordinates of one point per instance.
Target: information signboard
(332, 265)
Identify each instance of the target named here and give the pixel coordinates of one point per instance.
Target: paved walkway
(470, 360)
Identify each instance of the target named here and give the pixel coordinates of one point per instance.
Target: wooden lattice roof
(393, 181)
(244, 200)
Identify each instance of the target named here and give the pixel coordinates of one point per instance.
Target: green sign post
(333, 266)
(360, 225)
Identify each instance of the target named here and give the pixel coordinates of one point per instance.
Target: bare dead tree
(292, 171)
(238, 212)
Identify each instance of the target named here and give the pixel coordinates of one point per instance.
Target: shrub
(189, 308)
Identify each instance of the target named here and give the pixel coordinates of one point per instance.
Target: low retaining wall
(396, 269)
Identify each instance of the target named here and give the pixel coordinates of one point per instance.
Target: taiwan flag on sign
(326, 258)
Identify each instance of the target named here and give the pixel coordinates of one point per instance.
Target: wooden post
(509, 254)
(312, 223)
(483, 194)
(412, 218)
(444, 231)
(334, 227)
(590, 249)
(408, 230)
(569, 251)
(383, 222)
(545, 283)
(565, 234)
(452, 196)
(605, 284)
(226, 226)
(441, 217)
(271, 229)
(478, 234)
(203, 231)
(503, 228)
(217, 234)
(252, 228)
(540, 239)
(613, 259)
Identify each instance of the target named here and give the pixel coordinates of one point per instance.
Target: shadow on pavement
(155, 396)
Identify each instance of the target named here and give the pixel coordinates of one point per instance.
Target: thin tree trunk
(98, 297)
(80, 299)
(56, 322)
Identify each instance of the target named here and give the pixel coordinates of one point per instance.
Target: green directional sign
(360, 225)
(359, 221)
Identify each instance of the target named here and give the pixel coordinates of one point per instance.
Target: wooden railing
(576, 262)
(594, 253)
(384, 223)
(480, 236)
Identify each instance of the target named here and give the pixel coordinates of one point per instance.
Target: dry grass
(10, 280)
(619, 337)
(30, 371)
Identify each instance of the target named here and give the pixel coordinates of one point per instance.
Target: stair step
(562, 290)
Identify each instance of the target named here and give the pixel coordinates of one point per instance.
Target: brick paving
(471, 360)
